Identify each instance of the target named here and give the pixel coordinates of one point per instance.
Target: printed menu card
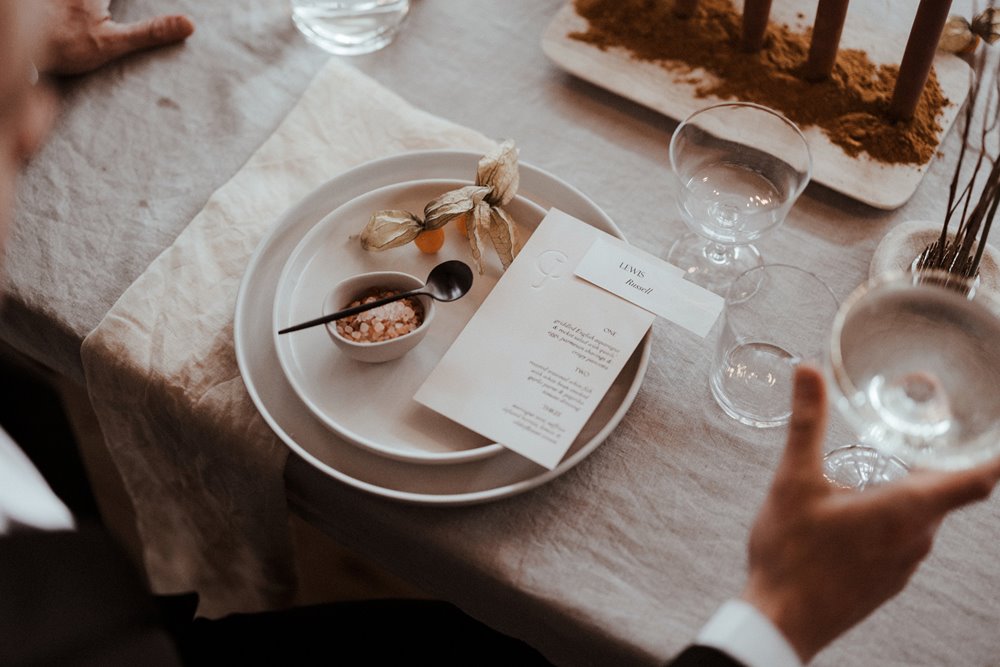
(545, 346)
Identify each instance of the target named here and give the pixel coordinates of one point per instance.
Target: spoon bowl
(449, 281)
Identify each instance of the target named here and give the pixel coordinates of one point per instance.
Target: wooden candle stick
(685, 8)
(755, 13)
(830, 15)
(918, 57)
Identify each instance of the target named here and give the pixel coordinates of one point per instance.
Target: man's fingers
(808, 424)
(947, 491)
(119, 39)
(40, 114)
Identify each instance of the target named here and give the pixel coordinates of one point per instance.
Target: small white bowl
(349, 289)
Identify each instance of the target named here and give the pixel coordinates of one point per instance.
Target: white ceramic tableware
(350, 289)
(371, 405)
(476, 481)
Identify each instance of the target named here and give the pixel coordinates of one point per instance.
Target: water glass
(913, 361)
(775, 317)
(349, 27)
(739, 169)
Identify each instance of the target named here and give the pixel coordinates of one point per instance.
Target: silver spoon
(448, 281)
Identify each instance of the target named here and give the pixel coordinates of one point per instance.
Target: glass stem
(719, 253)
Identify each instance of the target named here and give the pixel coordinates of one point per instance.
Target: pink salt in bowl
(361, 347)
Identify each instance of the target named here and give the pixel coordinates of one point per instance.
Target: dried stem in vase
(962, 252)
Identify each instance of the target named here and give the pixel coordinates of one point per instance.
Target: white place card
(545, 346)
(650, 283)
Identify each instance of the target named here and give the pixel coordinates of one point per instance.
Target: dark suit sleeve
(72, 598)
(703, 656)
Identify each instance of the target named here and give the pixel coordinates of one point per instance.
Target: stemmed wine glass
(740, 167)
(914, 363)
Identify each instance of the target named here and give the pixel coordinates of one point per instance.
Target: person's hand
(821, 558)
(82, 37)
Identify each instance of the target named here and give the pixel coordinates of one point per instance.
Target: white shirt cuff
(25, 498)
(740, 631)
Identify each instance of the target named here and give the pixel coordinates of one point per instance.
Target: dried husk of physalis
(498, 170)
(987, 25)
(962, 36)
(452, 205)
(497, 180)
(503, 233)
(390, 229)
(957, 36)
(495, 224)
(479, 230)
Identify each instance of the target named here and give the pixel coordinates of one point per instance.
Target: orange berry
(430, 240)
(460, 223)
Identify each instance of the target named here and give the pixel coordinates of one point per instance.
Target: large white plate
(372, 405)
(465, 483)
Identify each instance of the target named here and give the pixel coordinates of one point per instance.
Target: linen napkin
(201, 466)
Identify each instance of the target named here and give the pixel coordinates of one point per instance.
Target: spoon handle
(347, 312)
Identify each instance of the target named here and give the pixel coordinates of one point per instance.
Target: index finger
(807, 427)
(119, 39)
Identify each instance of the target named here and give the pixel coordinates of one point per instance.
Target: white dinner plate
(372, 405)
(464, 483)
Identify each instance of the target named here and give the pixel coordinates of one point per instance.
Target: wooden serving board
(879, 28)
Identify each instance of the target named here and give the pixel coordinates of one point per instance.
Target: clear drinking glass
(775, 317)
(740, 168)
(349, 27)
(914, 362)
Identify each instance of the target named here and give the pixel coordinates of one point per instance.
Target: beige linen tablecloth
(620, 560)
(202, 468)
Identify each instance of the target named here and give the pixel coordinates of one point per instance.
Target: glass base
(858, 467)
(348, 37)
(751, 384)
(712, 265)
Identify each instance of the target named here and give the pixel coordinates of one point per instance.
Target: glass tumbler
(775, 317)
(349, 27)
